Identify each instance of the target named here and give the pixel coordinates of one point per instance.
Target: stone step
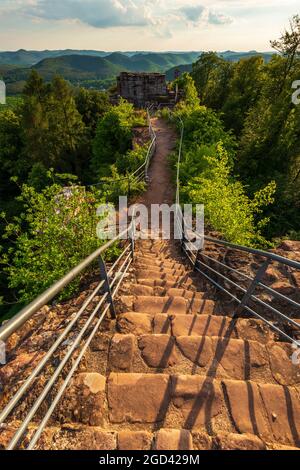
(171, 275)
(186, 283)
(181, 271)
(154, 257)
(170, 305)
(194, 325)
(191, 402)
(165, 263)
(161, 254)
(80, 437)
(185, 293)
(144, 290)
(204, 355)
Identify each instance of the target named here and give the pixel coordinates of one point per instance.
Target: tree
(92, 105)
(11, 150)
(113, 137)
(202, 70)
(54, 130)
(243, 90)
(56, 230)
(288, 45)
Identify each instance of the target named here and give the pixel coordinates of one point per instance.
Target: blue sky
(143, 25)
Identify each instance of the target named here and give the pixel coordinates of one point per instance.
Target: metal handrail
(255, 282)
(26, 313)
(142, 172)
(110, 288)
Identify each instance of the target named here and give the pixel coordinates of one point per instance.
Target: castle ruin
(142, 89)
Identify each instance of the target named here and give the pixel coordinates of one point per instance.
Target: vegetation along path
(173, 371)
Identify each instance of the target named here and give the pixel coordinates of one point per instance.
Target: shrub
(56, 231)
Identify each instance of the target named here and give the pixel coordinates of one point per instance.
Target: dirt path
(160, 189)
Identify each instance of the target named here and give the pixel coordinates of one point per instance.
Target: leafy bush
(114, 136)
(56, 231)
(227, 208)
(208, 156)
(133, 159)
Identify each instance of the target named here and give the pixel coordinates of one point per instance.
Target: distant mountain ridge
(98, 68)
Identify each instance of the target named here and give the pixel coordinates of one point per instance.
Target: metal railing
(107, 289)
(254, 292)
(141, 173)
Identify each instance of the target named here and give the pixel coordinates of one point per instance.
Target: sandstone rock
(84, 400)
(173, 439)
(283, 287)
(138, 398)
(135, 323)
(247, 408)
(224, 441)
(202, 325)
(283, 369)
(251, 329)
(158, 351)
(121, 352)
(285, 404)
(199, 399)
(162, 324)
(70, 438)
(134, 440)
(23, 361)
(139, 289)
(197, 349)
(290, 245)
(125, 303)
(156, 305)
(201, 441)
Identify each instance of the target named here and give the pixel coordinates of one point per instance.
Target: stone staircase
(174, 373)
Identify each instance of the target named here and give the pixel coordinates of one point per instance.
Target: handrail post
(197, 258)
(132, 237)
(259, 275)
(106, 287)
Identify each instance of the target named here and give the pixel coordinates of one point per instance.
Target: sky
(131, 25)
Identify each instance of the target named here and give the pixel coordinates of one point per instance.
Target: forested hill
(98, 72)
(98, 69)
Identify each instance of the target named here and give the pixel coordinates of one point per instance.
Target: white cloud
(164, 14)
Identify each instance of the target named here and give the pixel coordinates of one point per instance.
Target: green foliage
(258, 107)
(227, 208)
(187, 86)
(92, 105)
(55, 231)
(206, 178)
(54, 130)
(134, 159)
(113, 137)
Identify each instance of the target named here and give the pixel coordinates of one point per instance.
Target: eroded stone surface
(80, 438)
(84, 400)
(283, 369)
(283, 412)
(173, 439)
(134, 440)
(199, 399)
(135, 323)
(225, 441)
(158, 350)
(144, 397)
(121, 352)
(246, 408)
